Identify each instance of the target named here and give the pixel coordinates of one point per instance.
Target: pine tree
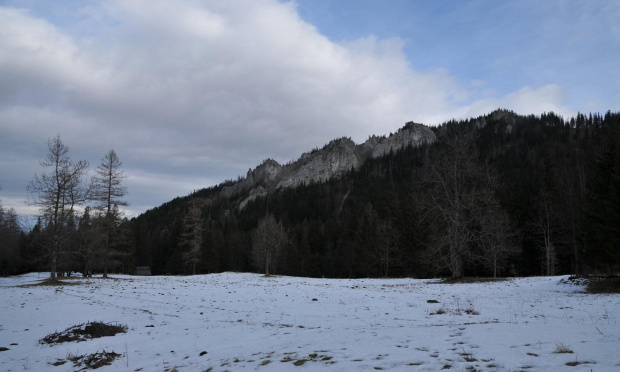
(603, 203)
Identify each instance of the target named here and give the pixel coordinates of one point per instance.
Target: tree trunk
(267, 263)
(107, 245)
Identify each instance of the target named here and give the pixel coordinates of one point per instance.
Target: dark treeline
(499, 195)
(83, 251)
(65, 239)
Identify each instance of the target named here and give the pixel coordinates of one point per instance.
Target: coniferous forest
(498, 195)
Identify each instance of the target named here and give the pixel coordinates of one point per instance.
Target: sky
(191, 93)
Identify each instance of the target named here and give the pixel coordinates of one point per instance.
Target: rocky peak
(266, 172)
(411, 134)
(334, 159)
(506, 117)
(500, 114)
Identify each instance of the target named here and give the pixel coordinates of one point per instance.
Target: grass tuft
(560, 348)
(83, 332)
(92, 361)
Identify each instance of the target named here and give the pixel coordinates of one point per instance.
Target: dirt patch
(90, 361)
(83, 332)
(467, 280)
(609, 284)
(576, 363)
(51, 283)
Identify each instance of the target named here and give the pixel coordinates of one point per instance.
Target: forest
(498, 195)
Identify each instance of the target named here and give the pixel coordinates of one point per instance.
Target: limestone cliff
(334, 159)
(337, 157)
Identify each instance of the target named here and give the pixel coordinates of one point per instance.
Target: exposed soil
(83, 332)
(468, 280)
(609, 284)
(94, 361)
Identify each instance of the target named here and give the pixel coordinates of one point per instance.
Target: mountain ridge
(335, 158)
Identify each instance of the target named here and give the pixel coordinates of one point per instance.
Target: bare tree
(268, 239)
(498, 239)
(387, 239)
(56, 194)
(108, 192)
(458, 201)
(545, 225)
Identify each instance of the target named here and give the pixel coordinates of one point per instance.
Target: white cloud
(525, 101)
(189, 92)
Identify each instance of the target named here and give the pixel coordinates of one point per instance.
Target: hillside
(334, 201)
(497, 195)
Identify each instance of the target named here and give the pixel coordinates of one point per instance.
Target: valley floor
(234, 321)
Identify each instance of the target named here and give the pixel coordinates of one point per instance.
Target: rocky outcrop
(334, 159)
(337, 157)
(264, 174)
(411, 134)
(507, 118)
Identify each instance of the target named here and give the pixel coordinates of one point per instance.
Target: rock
(334, 159)
(411, 134)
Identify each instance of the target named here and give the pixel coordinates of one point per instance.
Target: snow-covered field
(239, 322)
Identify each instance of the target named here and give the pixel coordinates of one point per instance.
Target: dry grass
(83, 332)
(50, 283)
(96, 360)
(609, 284)
(468, 280)
(560, 348)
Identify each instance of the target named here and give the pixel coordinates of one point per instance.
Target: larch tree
(108, 193)
(545, 224)
(57, 193)
(387, 240)
(458, 201)
(268, 239)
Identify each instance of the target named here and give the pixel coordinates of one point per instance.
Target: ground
(234, 321)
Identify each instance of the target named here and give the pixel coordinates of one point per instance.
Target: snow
(250, 322)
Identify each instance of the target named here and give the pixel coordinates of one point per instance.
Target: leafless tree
(545, 225)
(268, 239)
(458, 201)
(56, 194)
(498, 239)
(387, 239)
(107, 192)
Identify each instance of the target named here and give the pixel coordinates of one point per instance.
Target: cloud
(190, 93)
(525, 101)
